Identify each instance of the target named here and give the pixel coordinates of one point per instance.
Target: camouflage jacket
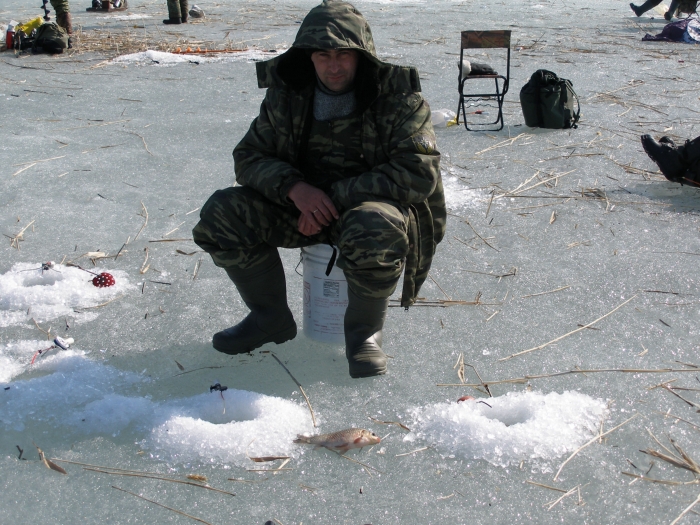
(398, 140)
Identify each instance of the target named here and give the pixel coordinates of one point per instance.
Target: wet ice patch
(457, 192)
(28, 292)
(151, 57)
(83, 398)
(520, 426)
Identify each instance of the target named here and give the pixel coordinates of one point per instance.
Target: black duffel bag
(548, 101)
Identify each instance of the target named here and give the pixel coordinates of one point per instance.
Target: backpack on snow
(547, 101)
(50, 38)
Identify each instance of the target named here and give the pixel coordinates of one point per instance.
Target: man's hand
(317, 209)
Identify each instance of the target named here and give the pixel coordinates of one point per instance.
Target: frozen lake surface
(106, 158)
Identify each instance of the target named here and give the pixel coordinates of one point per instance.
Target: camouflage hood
(335, 24)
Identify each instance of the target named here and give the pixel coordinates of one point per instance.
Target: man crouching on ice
(343, 152)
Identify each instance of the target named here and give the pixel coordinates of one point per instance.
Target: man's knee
(374, 235)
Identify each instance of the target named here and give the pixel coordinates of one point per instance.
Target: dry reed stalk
(141, 137)
(665, 414)
(598, 436)
(686, 511)
(145, 266)
(438, 285)
(508, 142)
(525, 379)
(160, 478)
(174, 230)
(390, 423)
(196, 268)
(83, 308)
(567, 335)
(164, 506)
(543, 293)
(144, 214)
(412, 452)
(301, 388)
(48, 333)
(544, 486)
(15, 239)
(568, 493)
(23, 169)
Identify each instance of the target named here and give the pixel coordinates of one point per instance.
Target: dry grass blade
(544, 293)
(390, 423)
(412, 452)
(145, 266)
(540, 347)
(301, 388)
(682, 460)
(568, 493)
(164, 506)
(659, 481)
(265, 459)
(599, 436)
(83, 308)
(144, 214)
(686, 511)
(544, 486)
(160, 478)
(49, 464)
(363, 465)
(525, 379)
(16, 238)
(197, 477)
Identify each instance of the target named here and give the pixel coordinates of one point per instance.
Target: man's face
(336, 67)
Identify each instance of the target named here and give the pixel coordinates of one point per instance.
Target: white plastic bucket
(325, 296)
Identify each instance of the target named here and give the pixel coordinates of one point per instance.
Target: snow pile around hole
(82, 397)
(27, 292)
(169, 59)
(253, 424)
(528, 426)
(132, 16)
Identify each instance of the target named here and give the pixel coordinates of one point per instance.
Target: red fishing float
(103, 280)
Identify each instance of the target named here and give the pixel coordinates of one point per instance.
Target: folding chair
(481, 40)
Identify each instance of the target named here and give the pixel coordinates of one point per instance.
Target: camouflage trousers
(60, 6)
(241, 229)
(177, 9)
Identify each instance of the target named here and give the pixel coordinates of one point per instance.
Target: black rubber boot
(639, 10)
(690, 155)
(364, 320)
(269, 320)
(172, 21)
(667, 156)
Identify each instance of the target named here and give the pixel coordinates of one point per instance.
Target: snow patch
(506, 430)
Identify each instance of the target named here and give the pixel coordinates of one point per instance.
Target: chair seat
(483, 76)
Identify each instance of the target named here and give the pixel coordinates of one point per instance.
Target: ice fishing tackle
(46, 10)
(218, 387)
(45, 267)
(58, 342)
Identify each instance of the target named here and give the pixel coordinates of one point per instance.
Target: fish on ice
(341, 441)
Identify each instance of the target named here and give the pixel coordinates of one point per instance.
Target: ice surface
(88, 142)
(505, 430)
(205, 428)
(163, 58)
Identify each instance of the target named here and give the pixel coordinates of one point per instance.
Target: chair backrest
(485, 39)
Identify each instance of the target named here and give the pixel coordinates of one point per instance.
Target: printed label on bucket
(325, 296)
